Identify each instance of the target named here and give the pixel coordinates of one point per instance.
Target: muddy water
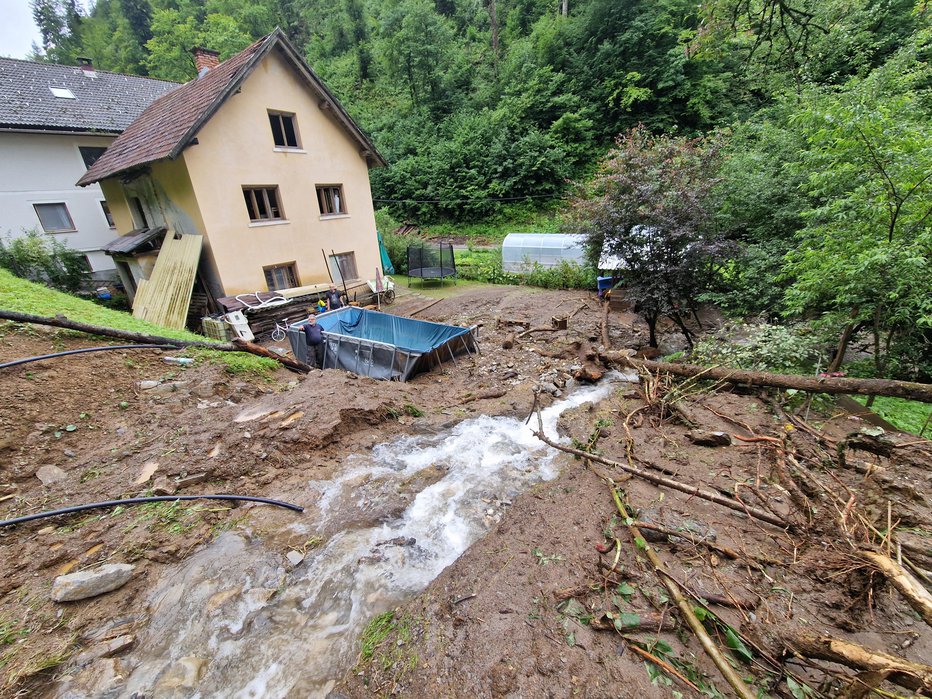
(236, 620)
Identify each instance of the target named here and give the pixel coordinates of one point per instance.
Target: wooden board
(164, 297)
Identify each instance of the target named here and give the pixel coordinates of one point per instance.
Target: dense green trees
(820, 112)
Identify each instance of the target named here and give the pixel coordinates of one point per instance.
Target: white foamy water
(248, 629)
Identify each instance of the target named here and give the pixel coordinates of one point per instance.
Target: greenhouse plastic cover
(404, 333)
(521, 250)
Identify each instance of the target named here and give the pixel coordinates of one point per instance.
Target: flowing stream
(231, 621)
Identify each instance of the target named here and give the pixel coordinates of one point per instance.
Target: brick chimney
(205, 59)
(87, 65)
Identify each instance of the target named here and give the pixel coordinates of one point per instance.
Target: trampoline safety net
(431, 262)
(381, 345)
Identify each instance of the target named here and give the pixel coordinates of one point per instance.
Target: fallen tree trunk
(917, 596)
(813, 384)
(903, 672)
(63, 322)
(237, 346)
(261, 351)
(590, 370)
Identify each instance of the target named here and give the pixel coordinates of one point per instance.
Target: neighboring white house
(55, 121)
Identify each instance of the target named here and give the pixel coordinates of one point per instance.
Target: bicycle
(280, 331)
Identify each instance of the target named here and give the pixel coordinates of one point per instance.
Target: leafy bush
(566, 275)
(484, 266)
(761, 347)
(750, 285)
(43, 259)
(397, 248)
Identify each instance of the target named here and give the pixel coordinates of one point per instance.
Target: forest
(773, 157)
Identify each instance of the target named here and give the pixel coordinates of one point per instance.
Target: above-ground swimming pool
(383, 346)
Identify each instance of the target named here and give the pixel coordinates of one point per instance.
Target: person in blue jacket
(315, 341)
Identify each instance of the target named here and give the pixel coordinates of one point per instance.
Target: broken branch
(903, 672)
(709, 495)
(917, 596)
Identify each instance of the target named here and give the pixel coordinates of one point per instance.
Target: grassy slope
(908, 415)
(26, 297)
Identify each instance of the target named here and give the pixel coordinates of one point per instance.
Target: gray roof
(107, 103)
(133, 240)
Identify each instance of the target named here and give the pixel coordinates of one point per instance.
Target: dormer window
(62, 93)
(284, 130)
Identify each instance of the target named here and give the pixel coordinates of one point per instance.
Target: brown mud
(544, 604)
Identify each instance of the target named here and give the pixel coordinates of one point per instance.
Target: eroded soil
(525, 611)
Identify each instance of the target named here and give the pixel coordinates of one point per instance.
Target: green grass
(24, 296)
(908, 415)
(435, 289)
(376, 632)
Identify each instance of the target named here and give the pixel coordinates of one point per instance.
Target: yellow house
(260, 159)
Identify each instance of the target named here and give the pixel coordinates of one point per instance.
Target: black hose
(153, 498)
(16, 362)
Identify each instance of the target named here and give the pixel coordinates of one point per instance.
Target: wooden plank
(164, 298)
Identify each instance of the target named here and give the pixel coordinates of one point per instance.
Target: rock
(192, 480)
(707, 438)
(70, 454)
(106, 649)
(91, 583)
(149, 385)
(50, 474)
(163, 486)
(146, 472)
(294, 557)
(186, 673)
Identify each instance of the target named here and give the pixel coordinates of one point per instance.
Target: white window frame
(37, 204)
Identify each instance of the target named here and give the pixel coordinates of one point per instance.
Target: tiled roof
(107, 103)
(170, 123)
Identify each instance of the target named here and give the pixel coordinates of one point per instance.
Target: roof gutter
(13, 128)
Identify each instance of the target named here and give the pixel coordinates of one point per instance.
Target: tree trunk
(63, 322)
(651, 319)
(493, 20)
(842, 345)
(814, 384)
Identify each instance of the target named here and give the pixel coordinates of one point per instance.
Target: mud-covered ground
(557, 599)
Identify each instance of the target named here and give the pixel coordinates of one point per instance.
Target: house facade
(259, 158)
(55, 121)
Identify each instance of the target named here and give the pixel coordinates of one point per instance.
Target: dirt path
(516, 614)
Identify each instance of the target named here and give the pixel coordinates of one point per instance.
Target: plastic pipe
(17, 362)
(153, 498)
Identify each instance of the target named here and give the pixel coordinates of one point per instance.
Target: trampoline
(431, 262)
(383, 346)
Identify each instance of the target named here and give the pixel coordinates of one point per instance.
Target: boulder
(90, 583)
(707, 438)
(50, 474)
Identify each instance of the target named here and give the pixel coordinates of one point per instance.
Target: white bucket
(240, 326)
